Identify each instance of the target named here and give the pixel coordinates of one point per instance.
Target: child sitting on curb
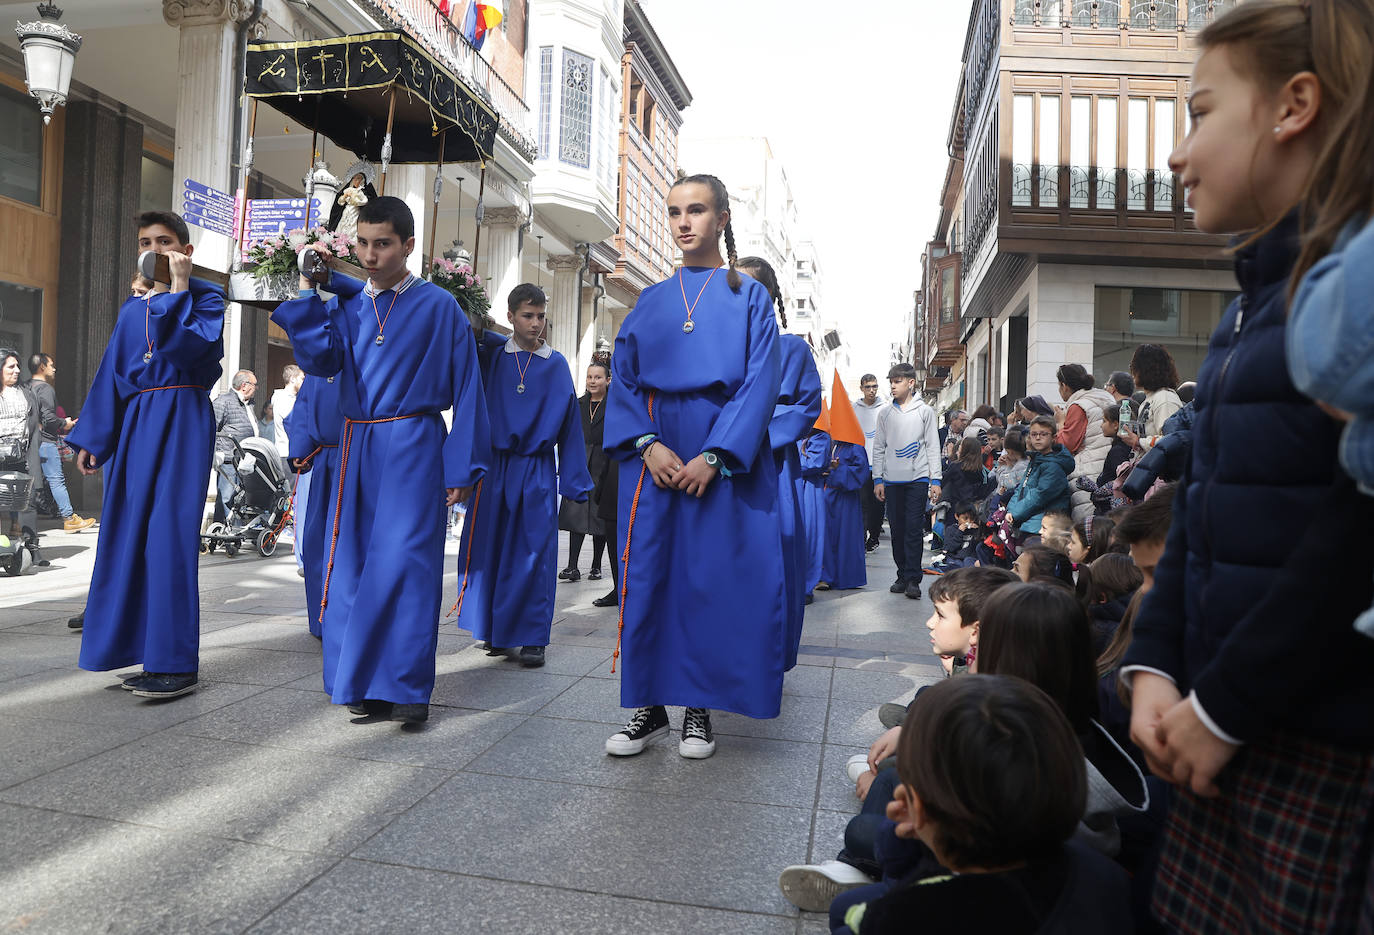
(993, 783)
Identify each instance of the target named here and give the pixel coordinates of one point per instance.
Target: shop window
(155, 190)
(1181, 320)
(21, 315)
(21, 148)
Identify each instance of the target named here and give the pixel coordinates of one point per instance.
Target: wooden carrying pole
(386, 143)
(477, 238)
(434, 213)
(243, 205)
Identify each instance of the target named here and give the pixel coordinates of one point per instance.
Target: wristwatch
(712, 459)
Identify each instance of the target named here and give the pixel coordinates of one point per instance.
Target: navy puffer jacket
(1266, 563)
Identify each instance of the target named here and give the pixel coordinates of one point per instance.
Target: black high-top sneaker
(697, 741)
(645, 725)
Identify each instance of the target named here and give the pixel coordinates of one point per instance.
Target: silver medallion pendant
(147, 356)
(520, 388)
(380, 339)
(688, 327)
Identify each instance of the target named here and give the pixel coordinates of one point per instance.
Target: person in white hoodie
(906, 473)
(866, 409)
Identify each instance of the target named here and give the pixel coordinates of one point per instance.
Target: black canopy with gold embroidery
(343, 89)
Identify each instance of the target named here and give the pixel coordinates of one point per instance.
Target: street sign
(209, 222)
(208, 203)
(193, 186)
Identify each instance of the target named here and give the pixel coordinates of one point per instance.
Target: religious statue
(343, 216)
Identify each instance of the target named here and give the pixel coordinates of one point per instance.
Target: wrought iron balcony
(1091, 188)
(422, 19)
(1119, 14)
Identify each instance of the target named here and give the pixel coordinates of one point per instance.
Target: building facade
(1062, 235)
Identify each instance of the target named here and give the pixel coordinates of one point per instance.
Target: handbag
(14, 449)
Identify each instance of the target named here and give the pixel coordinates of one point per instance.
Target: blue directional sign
(193, 186)
(214, 223)
(208, 203)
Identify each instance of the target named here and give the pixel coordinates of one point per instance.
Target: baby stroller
(257, 512)
(17, 555)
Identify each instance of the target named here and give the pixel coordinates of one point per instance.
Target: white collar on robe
(400, 287)
(544, 350)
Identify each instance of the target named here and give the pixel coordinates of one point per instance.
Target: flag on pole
(479, 19)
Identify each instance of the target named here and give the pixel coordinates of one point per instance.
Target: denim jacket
(1330, 342)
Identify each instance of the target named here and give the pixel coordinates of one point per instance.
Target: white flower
(297, 239)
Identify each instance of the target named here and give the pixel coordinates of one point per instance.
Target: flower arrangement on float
(274, 257)
(462, 283)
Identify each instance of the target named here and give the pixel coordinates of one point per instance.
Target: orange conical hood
(844, 425)
(823, 423)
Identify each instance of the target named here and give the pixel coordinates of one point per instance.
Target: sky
(856, 100)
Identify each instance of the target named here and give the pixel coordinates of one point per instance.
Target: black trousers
(906, 512)
(872, 509)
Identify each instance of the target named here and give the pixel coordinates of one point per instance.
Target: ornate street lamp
(49, 54)
(458, 254)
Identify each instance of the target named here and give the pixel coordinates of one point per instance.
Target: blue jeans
(224, 487)
(298, 513)
(51, 459)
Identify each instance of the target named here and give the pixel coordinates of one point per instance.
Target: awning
(342, 88)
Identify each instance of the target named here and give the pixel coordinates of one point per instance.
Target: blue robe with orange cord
(313, 427)
(386, 542)
(148, 422)
(702, 598)
(815, 462)
(844, 565)
(797, 408)
(508, 563)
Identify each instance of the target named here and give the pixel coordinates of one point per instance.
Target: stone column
(563, 307)
(500, 259)
(207, 86)
(408, 184)
(101, 179)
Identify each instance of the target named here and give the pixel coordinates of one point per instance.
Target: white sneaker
(812, 887)
(856, 766)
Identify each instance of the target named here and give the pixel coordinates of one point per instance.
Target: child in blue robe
(696, 377)
(815, 464)
(402, 352)
(147, 422)
(797, 408)
(843, 566)
(508, 563)
(313, 432)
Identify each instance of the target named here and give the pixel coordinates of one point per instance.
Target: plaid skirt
(1286, 847)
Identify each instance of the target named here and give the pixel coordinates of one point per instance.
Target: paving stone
(743, 769)
(836, 792)
(609, 840)
(827, 835)
(34, 747)
(867, 685)
(242, 665)
(26, 653)
(853, 723)
(69, 875)
(801, 719)
(96, 698)
(499, 689)
(362, 897)
(559, 659)
(38, 612)
(808, 680)
(297, 720)
(263, 795)
(259, 633)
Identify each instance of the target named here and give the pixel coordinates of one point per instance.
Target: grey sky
(856, 100)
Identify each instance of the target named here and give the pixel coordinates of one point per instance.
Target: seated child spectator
(1120, 452)
(1143, 529)
(993, 784)
(1046, 484)
(1056, 530)
(1041, 635)
(1011, 466)
(1115, 580)
(958, 599)
(961, 539)
(966, 480)
(1091, 539)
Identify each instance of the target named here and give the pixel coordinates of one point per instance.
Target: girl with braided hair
(695, 380)
(798, 406)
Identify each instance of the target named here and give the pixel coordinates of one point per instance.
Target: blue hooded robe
(798, 407)
(843, 565)
(314, 423)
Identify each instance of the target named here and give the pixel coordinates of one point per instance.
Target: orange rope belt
(179, 386)
(345, 443)
(625, 556)
(469, 528)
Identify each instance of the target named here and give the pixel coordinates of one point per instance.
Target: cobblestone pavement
(254, 805)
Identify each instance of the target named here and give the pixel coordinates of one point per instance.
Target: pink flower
(269, 249)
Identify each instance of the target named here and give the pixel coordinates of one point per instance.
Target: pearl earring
(1278, 130)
